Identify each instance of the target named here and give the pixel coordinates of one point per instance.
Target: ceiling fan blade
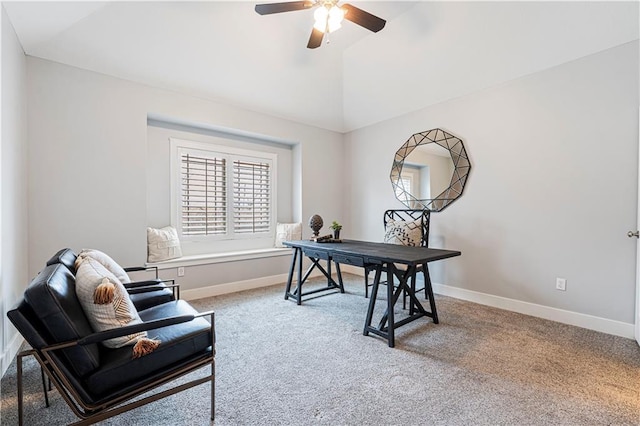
(290, 6)
(316, 39)
(362, 18)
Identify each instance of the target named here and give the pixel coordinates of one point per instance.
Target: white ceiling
(224, 51)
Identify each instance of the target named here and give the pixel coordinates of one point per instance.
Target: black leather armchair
(95, 381)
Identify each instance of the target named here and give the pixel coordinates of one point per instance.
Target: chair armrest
(141, 268)
(131, 329)
(175, 288)
(144, 283)
(148, 288)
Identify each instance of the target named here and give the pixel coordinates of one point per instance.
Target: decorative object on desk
(288, 232)
(336, 229)
(430, 170)
(326, 239)
(315, 223)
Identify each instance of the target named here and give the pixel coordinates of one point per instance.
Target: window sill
(206, 259)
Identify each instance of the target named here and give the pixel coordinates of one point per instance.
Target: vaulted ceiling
(427, 53)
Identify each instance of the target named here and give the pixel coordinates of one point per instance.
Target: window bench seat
(205, 259)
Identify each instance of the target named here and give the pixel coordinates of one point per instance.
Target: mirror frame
(462, 167)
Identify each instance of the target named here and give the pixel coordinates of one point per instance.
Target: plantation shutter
(251, 196)
(204, 195)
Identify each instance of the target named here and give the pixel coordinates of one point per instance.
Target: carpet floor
(282, 364)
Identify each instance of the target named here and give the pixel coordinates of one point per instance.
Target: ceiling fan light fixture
(328, 19)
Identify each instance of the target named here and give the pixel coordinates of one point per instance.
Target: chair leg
(213, 389)
(44, 388)
(20, 390)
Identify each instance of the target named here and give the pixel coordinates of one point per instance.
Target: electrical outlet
(561, 284)
(181, 271)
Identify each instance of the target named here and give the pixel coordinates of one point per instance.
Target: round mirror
(430, 170)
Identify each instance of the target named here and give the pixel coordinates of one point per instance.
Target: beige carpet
(283, 364)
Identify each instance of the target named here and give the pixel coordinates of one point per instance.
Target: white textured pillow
(118, 312)
(106, 261)
(288, 232)
(163, 244)
(403, 233)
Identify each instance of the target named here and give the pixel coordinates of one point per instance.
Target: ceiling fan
(328, 16)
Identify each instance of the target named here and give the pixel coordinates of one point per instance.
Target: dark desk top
(378, 252)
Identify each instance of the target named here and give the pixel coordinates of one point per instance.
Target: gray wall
(552, 192)
(89, 161)
(13, 187)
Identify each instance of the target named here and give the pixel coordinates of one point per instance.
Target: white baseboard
(617, 328)
(604, 325)
(232, 287)
(10, 352)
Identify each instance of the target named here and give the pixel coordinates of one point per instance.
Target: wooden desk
(381, 257)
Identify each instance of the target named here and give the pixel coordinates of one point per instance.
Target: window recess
(222, 193)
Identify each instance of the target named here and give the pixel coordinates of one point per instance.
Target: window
(222, 193)
(405, 186)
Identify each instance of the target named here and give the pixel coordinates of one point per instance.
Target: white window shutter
(251, 196)
(204, 195)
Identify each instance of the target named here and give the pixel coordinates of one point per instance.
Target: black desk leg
(299, 287)
(372, 300)
(390, 302)
(339, 278)
(429, 290)
(291, 269)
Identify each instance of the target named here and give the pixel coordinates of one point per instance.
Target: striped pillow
(106, 261)
(105, 301)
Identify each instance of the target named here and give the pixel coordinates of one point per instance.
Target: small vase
(336, 234)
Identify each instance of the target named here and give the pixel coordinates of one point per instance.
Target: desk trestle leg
(296, 262)
(406, 286)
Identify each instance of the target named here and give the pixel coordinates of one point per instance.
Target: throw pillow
(106, 261)
(403, 233)
(107, 305)
(163, 244)
(288, 232)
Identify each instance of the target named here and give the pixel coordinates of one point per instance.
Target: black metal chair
(421, 219)
(98, 382)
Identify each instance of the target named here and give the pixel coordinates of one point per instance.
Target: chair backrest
(422, 217)
(50, 313)
(67, 257)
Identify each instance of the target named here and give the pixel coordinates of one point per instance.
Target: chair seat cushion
(178, 342)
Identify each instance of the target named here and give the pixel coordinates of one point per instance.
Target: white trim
(159, 119)
(205, 259)
(10, 352)
(604, 325)
(233, 287)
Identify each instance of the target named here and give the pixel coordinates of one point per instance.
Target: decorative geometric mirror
(430, 170)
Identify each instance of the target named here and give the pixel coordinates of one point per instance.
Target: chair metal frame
(93, 413)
